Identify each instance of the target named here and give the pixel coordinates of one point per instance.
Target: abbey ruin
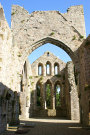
(24, 86)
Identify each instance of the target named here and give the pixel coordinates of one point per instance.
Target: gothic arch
(40, 69)
(38, 93)
(56, 68)
(53, 41)
(48, 93)
(48, 68)
(41, 27)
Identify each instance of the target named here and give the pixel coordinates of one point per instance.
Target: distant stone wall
(47, 57)
(43, 79)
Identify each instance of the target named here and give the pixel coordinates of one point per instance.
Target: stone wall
(47, 57)
(43, 79)
(40, 27)
(8, 79)
(25, 92)
(84, 81)
(72, 100)
(28, 32)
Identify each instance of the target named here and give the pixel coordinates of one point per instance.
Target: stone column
(35, 97)
(53, 70)
(75, 113)
(15, 110)
(3, 114)
(22, 104)
(44, 96)
(52, 97)
(44, 70)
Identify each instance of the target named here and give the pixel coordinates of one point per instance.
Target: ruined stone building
(20, 80)
(50, 78)
(46, 72)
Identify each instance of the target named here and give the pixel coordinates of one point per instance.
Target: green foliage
(30, 77)
(58, 75)
(32, 83)
(38, 96)
(87, 43)
(87, 87)
(19, 54)
(58, 103)
(57, 98)
(81, 37)
(36, 76)
(22, 21)
(52, 33)
(20, 75)
(74, 37)
(13, 13)
(48, 95)
(41, 79)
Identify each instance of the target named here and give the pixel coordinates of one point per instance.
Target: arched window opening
(48, 68)
(48, 95)
(40, 69)
(38, 95)
(48, 54)
(57, 95)
(56, 68)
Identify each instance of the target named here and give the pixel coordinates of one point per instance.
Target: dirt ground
(37, 126)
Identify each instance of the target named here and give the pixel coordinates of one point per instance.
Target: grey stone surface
(28, 32)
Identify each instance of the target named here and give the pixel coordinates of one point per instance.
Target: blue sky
(60, 5)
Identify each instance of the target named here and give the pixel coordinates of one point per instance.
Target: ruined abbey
(48, 87)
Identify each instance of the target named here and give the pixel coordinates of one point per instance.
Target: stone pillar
(44, 70)
(15, 110)
(53, 70)
(52, 97)
(22, 104)
(35, 97)
(9, 115)
(75, 113)
(3, 114)
(44, 96)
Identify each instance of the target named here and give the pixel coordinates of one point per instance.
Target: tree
(48, 95)
(57, 95)
(38, 96)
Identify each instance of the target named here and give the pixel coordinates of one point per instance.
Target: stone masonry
(65, 78)
(43, 79)
(27, 33)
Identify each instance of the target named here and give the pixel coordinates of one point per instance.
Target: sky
(45, 5)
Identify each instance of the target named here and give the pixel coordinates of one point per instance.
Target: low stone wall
(49, 113)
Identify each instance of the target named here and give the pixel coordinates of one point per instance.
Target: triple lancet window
(48, 68)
